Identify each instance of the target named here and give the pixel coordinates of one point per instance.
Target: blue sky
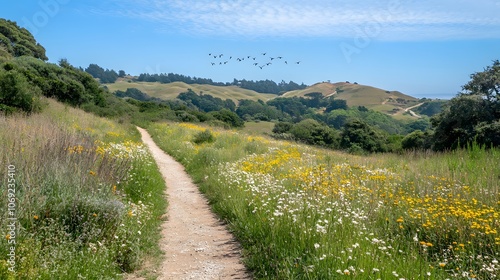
(422, 48)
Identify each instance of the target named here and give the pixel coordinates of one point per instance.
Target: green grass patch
(258, 128)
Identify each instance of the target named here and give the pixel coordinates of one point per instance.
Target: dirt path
(411, 112)
(196, 244)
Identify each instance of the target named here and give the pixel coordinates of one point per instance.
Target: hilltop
(169, 91)
(388, 102)
(360, 95)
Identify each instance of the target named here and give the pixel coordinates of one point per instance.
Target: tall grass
(306, 213)
(88, 196)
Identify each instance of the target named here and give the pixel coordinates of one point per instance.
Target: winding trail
(196, 244)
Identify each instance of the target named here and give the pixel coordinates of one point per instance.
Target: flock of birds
(257, 61)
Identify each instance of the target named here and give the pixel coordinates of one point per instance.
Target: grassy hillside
(361, 95)
(309, 213)
(389, 102)
(87, 196)
(171, 90)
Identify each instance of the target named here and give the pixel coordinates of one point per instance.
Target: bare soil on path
(196, 243)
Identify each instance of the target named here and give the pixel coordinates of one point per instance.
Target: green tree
(473, 115)
(16, 41)
(359, 133)
(417, 140)
(105, 76)
(336, 104)
(229, 117)
(282, 127)
(485, 84)
(312, 132)
(17, 93)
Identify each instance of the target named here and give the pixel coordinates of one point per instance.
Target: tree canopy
(474, 115)
(105, 76)
(16, 41)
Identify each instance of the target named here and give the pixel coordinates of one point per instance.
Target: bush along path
(196, 244)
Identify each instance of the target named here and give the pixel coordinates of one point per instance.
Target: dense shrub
(363, 135)
(312, 132)
(205, 136)
(417, 140)
(228, 117)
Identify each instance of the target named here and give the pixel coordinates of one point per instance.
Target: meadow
(87, 197)
(308, 213)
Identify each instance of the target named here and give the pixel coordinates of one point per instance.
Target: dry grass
(171, 90)
(360, 95)
(81, 184)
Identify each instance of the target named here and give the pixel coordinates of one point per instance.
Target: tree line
(263, 86)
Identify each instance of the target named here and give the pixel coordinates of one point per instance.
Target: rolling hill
(390, 102)
(171, 90)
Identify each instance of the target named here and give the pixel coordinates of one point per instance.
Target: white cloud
(385, 20)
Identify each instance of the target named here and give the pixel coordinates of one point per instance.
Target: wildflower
(400, 220)
(92, 173)
(347, 272)
(35, 217)
(114, 189)
(7, 237)
(442, 264)
(95, 215)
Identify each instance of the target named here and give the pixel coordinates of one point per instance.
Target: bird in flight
(261, 63)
